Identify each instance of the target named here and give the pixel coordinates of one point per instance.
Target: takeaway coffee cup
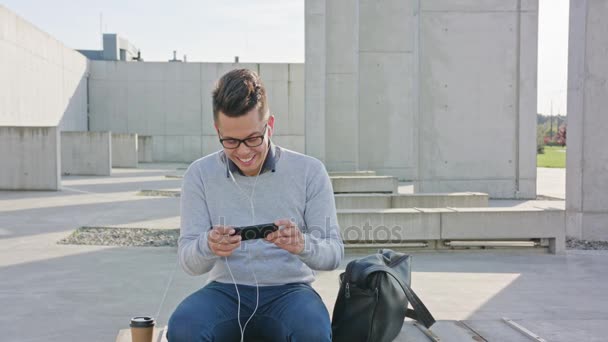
(142, 329)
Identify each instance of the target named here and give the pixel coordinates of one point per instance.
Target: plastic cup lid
(142, 322)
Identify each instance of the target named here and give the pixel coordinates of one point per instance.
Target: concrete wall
(587, 158)
(30, 158)
(124, 150)
(42, 85)
(43, 82)
(171, 102)
(86, 153)
(439, 92)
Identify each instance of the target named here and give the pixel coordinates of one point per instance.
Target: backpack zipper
(347, 291)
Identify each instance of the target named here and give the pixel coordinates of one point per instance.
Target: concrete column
(342, 79)
(477, 103)
(314, 104)
(525, 160)
(144, 148)
(86, 153)
(587, 158)
(388, 101)
(124, 150)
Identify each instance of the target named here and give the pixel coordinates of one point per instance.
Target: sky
(254, 30)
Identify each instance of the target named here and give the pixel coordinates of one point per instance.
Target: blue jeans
(291, 312)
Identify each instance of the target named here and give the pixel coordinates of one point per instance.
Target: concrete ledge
(497, 188)
(86, 153)
(505, 223)
(386, 201)
(388, 225)
(351, 173)
(30, 158)
(440, 200)
(363, 201)
(364, 184)
(411, 331)
(381, 226)
(124, 150)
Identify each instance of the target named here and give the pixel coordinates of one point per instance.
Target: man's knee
(311, 320)
(187, 324)
(321, 331)
(314, 324)
(197, 315)
(179, 328)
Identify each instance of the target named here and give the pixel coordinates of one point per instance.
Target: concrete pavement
(52, 292)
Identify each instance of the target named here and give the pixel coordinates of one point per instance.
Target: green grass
(554, 156)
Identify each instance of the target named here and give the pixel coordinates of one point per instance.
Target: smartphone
(259, 231)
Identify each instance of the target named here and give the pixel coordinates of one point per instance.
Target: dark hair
(238, 92)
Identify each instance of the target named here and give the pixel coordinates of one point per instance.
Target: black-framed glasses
(232, 143)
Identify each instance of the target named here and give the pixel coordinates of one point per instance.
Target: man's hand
(290, 238)
(221, 242)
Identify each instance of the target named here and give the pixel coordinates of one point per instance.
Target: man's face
(248, 159)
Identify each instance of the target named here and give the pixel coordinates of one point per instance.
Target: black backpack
(373, 299)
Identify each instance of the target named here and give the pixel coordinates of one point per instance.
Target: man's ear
(271, 126)
(216, 129)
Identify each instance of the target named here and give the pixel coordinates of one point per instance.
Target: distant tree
(540, 139)
(541, 119)
(560, 138)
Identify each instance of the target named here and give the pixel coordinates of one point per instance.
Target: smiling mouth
(246, 161)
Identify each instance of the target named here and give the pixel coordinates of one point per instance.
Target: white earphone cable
(257, 298)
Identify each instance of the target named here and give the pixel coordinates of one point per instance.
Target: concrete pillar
(342, 79)
(477, 85)
(388, 101)
(587, 158)
(314, 103)
(144, 148)
(30, 158)
(124, 150)
(86, 153)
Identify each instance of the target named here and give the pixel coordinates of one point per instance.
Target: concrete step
(387, 201)
(436, 226)
(342, 184)
(179, 173)
(364, 184)
(351, 173)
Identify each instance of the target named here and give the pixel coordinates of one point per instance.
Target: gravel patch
(108, 236)
(163, 193)
(572, 243)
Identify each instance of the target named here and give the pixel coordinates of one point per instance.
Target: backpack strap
(420, 312)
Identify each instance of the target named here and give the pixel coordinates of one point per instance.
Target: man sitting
(256, 288)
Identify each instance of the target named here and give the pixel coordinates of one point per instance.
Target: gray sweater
(299, 189)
